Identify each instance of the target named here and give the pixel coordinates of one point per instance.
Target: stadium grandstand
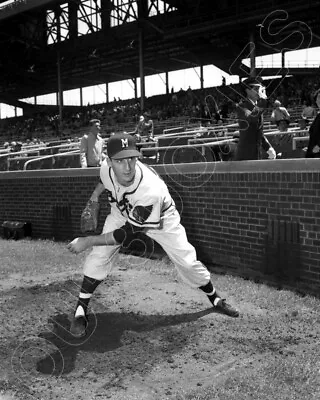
(61, 61)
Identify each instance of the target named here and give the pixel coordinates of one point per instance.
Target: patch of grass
(287, 378)
(36, 257)
(7, 397)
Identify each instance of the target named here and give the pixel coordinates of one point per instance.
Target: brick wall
(256, 219)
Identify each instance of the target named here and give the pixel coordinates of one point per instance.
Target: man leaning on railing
(91, 146)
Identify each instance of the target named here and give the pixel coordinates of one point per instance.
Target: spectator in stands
(280, 116)
(15, 147)
(308, 110)
(190, 97)
(205, 115)
(144, 129)
(303, 123)
(250, 119)
(224, 110)
(313, 150)
(91, 146)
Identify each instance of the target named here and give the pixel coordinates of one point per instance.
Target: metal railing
(40, 148)
(165, 131)
(209, 140)
(21, 155)
(180, 134)
(299, 139)
(188, 146)
(288, 132)
(49, 156)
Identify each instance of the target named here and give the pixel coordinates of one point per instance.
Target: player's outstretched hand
(78, 245)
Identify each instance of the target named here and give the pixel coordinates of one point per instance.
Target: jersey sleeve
(104, 173)
(83, 151)
(146, 212)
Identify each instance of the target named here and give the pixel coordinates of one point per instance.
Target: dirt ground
(151, 337)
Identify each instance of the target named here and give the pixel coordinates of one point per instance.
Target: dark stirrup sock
(211, 292)
(89, 285)
(208, 289)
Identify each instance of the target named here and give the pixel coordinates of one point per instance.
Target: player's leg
(173, 239)
(97, 266)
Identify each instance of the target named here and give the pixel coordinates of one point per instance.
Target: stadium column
(106, 7)
(167, 82)
(141, 68)
(73, 20)
(142, 15)
(107, 92)
(60, 91)
(252, 54)
(134, 80)
(201, 77)
(283, 63)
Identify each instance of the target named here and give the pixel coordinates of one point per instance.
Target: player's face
(124, 170)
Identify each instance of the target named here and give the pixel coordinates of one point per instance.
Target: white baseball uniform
(146, 204)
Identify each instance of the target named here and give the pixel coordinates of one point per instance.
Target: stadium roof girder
(171, 43)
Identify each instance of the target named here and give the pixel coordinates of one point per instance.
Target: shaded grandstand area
(188, 34)
(131, 42)
(185, 128)
(178, 139)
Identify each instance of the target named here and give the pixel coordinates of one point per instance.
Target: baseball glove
(90, 216)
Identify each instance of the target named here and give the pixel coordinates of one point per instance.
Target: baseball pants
(171, 236)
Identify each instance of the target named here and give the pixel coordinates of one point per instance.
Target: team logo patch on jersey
(141, 213)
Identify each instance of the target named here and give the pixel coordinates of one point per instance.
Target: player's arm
(99, 189)
(268, 148)
(265, 143)
(122, 236)
(83, 152)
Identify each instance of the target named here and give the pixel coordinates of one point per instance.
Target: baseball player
(140, 201)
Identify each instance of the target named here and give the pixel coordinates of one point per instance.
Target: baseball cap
(253, 81)
(122, 145)
(94, 121)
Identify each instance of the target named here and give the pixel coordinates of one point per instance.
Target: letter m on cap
(124, 143)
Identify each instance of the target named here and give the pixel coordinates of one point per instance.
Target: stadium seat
(15, 165)
(74, 161)
(167, 156)
(3, 164)
(60, 162)
(44, 152)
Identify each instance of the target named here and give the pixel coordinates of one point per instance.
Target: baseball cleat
(225, 308)
(78, 326)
